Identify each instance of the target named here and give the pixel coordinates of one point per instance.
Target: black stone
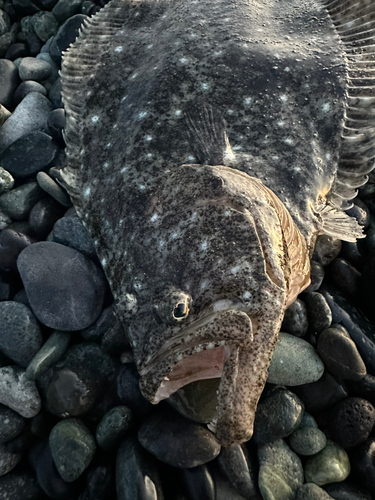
(316, 275)
(17, 50)
(22, 298)
(4, 290)
(34, 43)
(367, 287)
(277, 416)
(295, 319)
(351, 421)
(56, 123)
(18, 202)
(25, 7)
(346, 491)
(113, 426)
(71, 232)
(26, 88)
(240, 468)
(11, 424)
(345, 277)
(9, 80)
(11, 245)
(318, 311)
(199, 483)
(20, 486)
(66, 290)
(129, 392)
(106, 321)
(177, 441)
(363, 464)
(66, 35)
(321, 394)
(29, 154)
(55, 94)
(326, 249)
(137, 476)
(351, 253)
(44, 215)
(100, 483)
(364, 388)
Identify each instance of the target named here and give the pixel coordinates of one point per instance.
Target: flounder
(208, 144)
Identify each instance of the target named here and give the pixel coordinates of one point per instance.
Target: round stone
(318, 311)
(11, 245)
(307, 441)
(52, 188)
(113, 427)
(295, 319)
(351, 421)
(65, 9)
(18, 202)
(56, 124)
(177, 441)
(34, 69)
(21, 337)
(326, 249)
(294, 362)
(9, 80)
(236, 462)
(71, 232)
(311, 491)
(65, 289)
(316, 276)
(340, 355)
(11, 424)
(20, 486)
(72, 448)
(330, 465)
(45, 25)
(17, 51)
(19, 393)
(280, 471)
(277, 416)
(26, 88)
(44, 215)
(51, 351)
(31, 114)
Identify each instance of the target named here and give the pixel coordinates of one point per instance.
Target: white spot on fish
(287, 69)
(119, 48)
(142, 187)
(88, 93)
(222, 305)
(124, 98)
(204, 284)
(280, 123)
(204, 245)
(124, 169)
(326, 107)
(178, 112)
(87, 192)
(134, 76)
(120, 222)
(104, 262)
(191, 158)
(235, 269)
(109, 144)
(184, 60)
(297, 169)
(193, 216)
(289, 141)
(150, 46)
(192, 35)
(328, 156)
(227, 213)
(237, 148)
(283, 98)
(142, 114)
(95, 119)
(105, 165)
(248, 100)
(230, 111)
(149, 155)
(246, 295)
(174, 236)
(179, 357)
(154, 218)
(198, 349)
(218, 53)
(205, 86)
(275, 158)
(148, 137)
(161, 243)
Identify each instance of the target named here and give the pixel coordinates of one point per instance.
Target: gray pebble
(280, 471)
(18, 202)
(65, 9)
(316, 275)
(45, 25)
(8, 460)
(330, 465)
(4, 22)
(11, 424)
(21, 337)
(311, 491)
(307, 441)
(31, 114)
(45, 56)
(318, 311)
(5, 220)
(52, 188)
(326, 249)
(295, 319)
(48, 355)
(72, 448)
(34, 69)
(6, 181)
(71, 232)
(113, 426)
(19, 393)
(294, 362)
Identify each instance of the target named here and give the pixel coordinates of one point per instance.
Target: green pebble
(308, 421)
(53, 189)
(6, 180)
(72, 448)
(331, 465)
(113, 427)
(18, 202)
(48, 355)
(307, 441)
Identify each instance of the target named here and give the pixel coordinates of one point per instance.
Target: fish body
(208, 144)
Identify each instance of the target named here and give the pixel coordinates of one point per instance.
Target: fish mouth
(199, 352)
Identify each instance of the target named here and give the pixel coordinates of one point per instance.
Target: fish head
(210, 285)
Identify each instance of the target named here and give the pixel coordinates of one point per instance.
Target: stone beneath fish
(208, 145)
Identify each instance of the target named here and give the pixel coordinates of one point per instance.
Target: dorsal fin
(206, 129)
(354, 21)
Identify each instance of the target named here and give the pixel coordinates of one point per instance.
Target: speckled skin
(173, 230)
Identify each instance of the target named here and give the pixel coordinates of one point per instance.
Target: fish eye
(180, 311)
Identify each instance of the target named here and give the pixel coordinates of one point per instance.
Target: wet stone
(326, 249)
(4, 290)
(30, 115)
(11, 245)
(307, 441)
(351, 421)
(330, 465)
(17, 51)
(56, 124)
(8, 460)
(44, 215)
(66, 35)
(295, 319)
(54, 94)
(6, 180)
(18, 202)
(129, 392)
(20, 337)
(199, 483)
(197, 401)
(280, 471)
(71, 232)
(277, 416)
(364, 388)
(294, 362)
(321, 394)
(346, 491)
(65, 9)
(11, 424)
(100, 483)
(105, 322)
(177, 441)
(20, 486)
(26, 88)
(34, 69)
(340, 355)
(51, 351)
(113, 427)
(45, 25)
(318, 312)
(237, 465)
(311, 491)
(345, 277)
(136, 473)
(66, 290)
(72, 448)
(316, 275)
(9, 80)
(53, 189)
(19, 393)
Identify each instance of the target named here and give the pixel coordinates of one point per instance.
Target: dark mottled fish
(208, 144)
